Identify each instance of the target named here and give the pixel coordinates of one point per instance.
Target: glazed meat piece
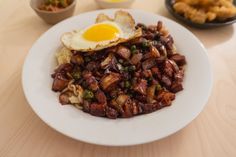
(63, 68)
(179, 59)
(141, 87)
(59, 82)
(101, 97)
(97, 109)
(90, 80)
(111, 113)
(176, 87)
(166, 81)
(124, 52)
(165, 98)
(136, 58)
(64, 98)
(128, 110)
(149, 63)
(168, 69)
(77, 59)
(92, 66)
(109, 80)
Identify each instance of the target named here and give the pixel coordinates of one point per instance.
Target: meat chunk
(110, 63)
(147, 73)
(153, 53)
(127, 107)
(86, 106)
(106, 62)
(138, 41)
(116, 106)
(136, 58)
(101, 97)
(90, 80)
(92, 66)
(156, 72)
(168, 69)
(77, 59)
(179, 59)
(141, 87)
(179, 76)
(146, 107)
(59, 83)
(135, 108)
(176, 87)
(111, 113)
(63, 68)
(165, 98)
(174, 65)
(124, 52)
(64, 97)
(97, 109)
(121, 99)
(166, 81)
(149, 63)
(109, 80)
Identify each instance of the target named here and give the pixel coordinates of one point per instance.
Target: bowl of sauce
(53, 11)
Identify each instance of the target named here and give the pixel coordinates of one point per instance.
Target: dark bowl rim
(169, 6)
(50, 12)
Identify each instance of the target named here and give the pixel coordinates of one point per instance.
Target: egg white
(123, 22)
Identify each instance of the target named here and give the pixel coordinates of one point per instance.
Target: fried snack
(189, 12)
(201, 11)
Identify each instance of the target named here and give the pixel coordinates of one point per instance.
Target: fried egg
(106, 32)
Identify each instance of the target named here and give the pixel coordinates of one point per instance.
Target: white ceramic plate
(76, 124)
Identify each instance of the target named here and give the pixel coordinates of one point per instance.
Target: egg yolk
(101, 32)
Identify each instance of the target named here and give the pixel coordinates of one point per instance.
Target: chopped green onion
(126, 69)
(133, 49)
(127, 84)
(76, 75)
(145, 44)
(88, 94)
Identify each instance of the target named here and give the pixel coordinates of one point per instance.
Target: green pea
(88, 94)
(126, 69)
(127, 84)
(76, 75)
(133, 49)
(145, 44)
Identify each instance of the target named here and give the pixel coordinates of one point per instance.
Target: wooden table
(23, 134)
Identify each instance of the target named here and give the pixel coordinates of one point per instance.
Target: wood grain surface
(23, 134)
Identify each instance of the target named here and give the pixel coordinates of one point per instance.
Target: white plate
(76, 124)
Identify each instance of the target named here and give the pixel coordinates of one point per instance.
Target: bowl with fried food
(53, 11)
(203, 13)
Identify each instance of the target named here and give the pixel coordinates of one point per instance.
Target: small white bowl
(114, 4)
